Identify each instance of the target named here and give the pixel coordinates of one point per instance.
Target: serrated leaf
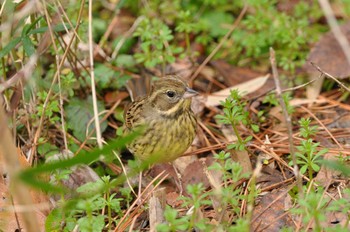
(79, 114)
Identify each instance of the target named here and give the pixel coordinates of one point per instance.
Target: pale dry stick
(38, 131)
(124, 171)
(138, 199)
(288, 120)
(2, 7)
(92, 74)
(8, 151)
(127, 35)
(251, 182)
(338, 34)
(68, 20)
(324, 127)
(132, 224)
(224, 39)
(330, 76)
(272, 90)
(58, 80)
(301, 86)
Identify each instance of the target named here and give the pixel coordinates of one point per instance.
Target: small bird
(168, 121)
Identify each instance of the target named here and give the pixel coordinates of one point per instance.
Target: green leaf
(29, 175)
(255, 128)
(303, 169)
(28, 46)
(216, 22)
(315, 167)
(80, 116)
(57, 28)
(53, 220)
(95, 223)
(13, 43)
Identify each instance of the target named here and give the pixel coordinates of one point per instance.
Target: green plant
(312, 207)
(306, 130)
(308, 155)
(173, 222)
(234, 115)
(155, 44)
(229, 195)
(51, 109)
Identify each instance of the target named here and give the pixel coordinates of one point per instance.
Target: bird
(168, 122)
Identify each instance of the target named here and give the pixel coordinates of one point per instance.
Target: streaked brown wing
(133, 112)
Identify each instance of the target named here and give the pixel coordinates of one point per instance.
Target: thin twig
(125, 36)
(287, 118)
(92, 73)
(330, 76)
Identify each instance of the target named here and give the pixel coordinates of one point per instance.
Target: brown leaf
(195, 172)
(245, 88)
(8, 220)
(326, 175)
(172, 199)
(329, 56)
(111, 97)
(268, 217)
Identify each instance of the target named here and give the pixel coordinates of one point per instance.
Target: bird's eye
(170, 93)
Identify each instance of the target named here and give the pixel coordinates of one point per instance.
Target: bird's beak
(190, 93)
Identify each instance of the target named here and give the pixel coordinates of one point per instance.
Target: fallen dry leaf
(245, 88)
(326, 175)
(268, 217)
(329, 56)
(195, 172)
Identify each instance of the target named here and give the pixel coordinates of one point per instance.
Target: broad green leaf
(57, 28)
(80, 116)
(28, 46)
